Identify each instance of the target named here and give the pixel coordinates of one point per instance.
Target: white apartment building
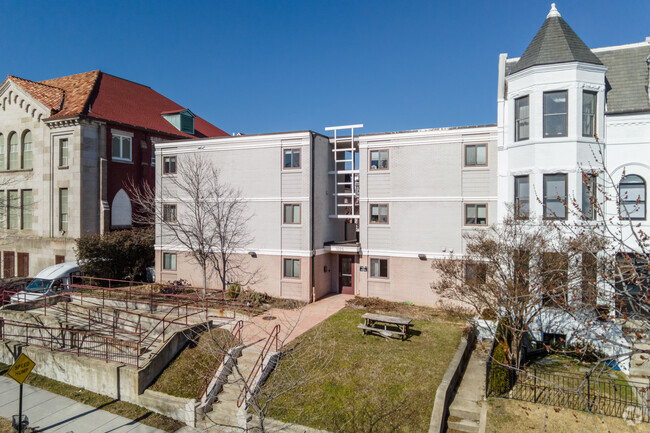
(360, 214)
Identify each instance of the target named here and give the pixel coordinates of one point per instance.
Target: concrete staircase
(225, 415)
(465, 409)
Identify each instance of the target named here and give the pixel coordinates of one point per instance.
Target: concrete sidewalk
(48, 412)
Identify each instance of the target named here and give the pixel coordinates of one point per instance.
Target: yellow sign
(21, 368)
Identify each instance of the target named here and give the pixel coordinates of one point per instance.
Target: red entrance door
(346, 275)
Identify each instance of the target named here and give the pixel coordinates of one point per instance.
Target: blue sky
(269, 66)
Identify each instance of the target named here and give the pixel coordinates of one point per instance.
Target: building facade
(358, 214)
(67, 145)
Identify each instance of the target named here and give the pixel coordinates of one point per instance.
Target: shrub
(499, 377)
(121, 255)
(234, 290)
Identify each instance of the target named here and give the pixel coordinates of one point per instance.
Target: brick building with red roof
(67, 146)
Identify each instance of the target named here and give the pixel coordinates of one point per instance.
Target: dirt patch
(376, 305)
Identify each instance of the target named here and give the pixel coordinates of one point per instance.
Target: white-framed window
(555, 114)
(14, 152)
(476, 214)
(589, 195)
(169, 261)
(63, 152)
(588, 113)
(13, 202)
(153, 154)
(169, 213)
(378, 213)
(522, 197)
(291, 268)
(379, 159)
(26, 201)
(291, 158)
(291, 213)
(632, 192)
(378, 268)
(169, 164)
(555, 196)
(121, 148)
(63, 209)
(475, 154)
(522, 118)
(26, 156)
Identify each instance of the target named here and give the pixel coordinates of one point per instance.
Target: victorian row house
(67, 145)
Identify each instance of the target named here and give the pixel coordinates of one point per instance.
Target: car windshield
(39, 285)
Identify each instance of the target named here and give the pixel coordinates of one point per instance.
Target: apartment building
(353, 213)
(67, 145)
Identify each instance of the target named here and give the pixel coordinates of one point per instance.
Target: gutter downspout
(311, 216)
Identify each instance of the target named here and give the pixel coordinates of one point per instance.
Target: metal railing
(235, 339)
(585, 392)
(270, 341)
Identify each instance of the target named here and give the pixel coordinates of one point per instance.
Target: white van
(50, 281)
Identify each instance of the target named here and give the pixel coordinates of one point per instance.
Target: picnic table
(379, 323)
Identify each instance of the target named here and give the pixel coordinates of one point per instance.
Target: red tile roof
(102, 96)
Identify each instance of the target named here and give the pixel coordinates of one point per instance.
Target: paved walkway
(50, 412)
(293, 323)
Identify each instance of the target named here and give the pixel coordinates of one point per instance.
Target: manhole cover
(268, 318)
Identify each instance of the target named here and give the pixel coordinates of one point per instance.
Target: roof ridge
(66, 76)
(36, 82)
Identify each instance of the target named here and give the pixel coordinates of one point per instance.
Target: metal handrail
(235, 335)
(273, 338)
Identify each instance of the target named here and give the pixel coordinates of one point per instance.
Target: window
(23, 265)
(8, 264)
(63, 152)
(555, 114)
(63, 209)
(378, 214)
(3, 162)
(153, 154)
(588, 113)
(121, 148)
(14, 210)
(292, 268)
(26, 202)
(632, 197)
(59, 259)
(169, 165)
(589, 195)
(521, 119)
(291, 214)
(26, 162)
(291, 158)
(476, 214)
(379, 268)
(3, 209)
(169, 261)
(475, 272)
(379, 159)
(169, 213)
(187, 122)
(476, 154)
(522, 197)
(14, 152)
(555, 203)
(521, 261)
(554, 276)
(589, 271)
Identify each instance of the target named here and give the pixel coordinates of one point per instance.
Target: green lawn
(185, 374)
(363, 383)
(108, 404)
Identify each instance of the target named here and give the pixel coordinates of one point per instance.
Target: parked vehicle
(50, 281)
(11, 286)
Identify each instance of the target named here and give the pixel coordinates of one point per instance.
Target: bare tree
(202, 214)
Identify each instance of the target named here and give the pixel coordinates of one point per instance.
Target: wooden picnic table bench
(378, 323)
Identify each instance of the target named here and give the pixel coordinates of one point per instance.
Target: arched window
(632, 197)
(3, 161)
(121, 210)
(26, 162)
(14, 152)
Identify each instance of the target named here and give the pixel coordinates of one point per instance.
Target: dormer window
(183, 120)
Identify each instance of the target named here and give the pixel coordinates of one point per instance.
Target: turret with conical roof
(555, 42)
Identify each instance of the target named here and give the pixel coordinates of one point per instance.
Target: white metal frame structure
(346, 191)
